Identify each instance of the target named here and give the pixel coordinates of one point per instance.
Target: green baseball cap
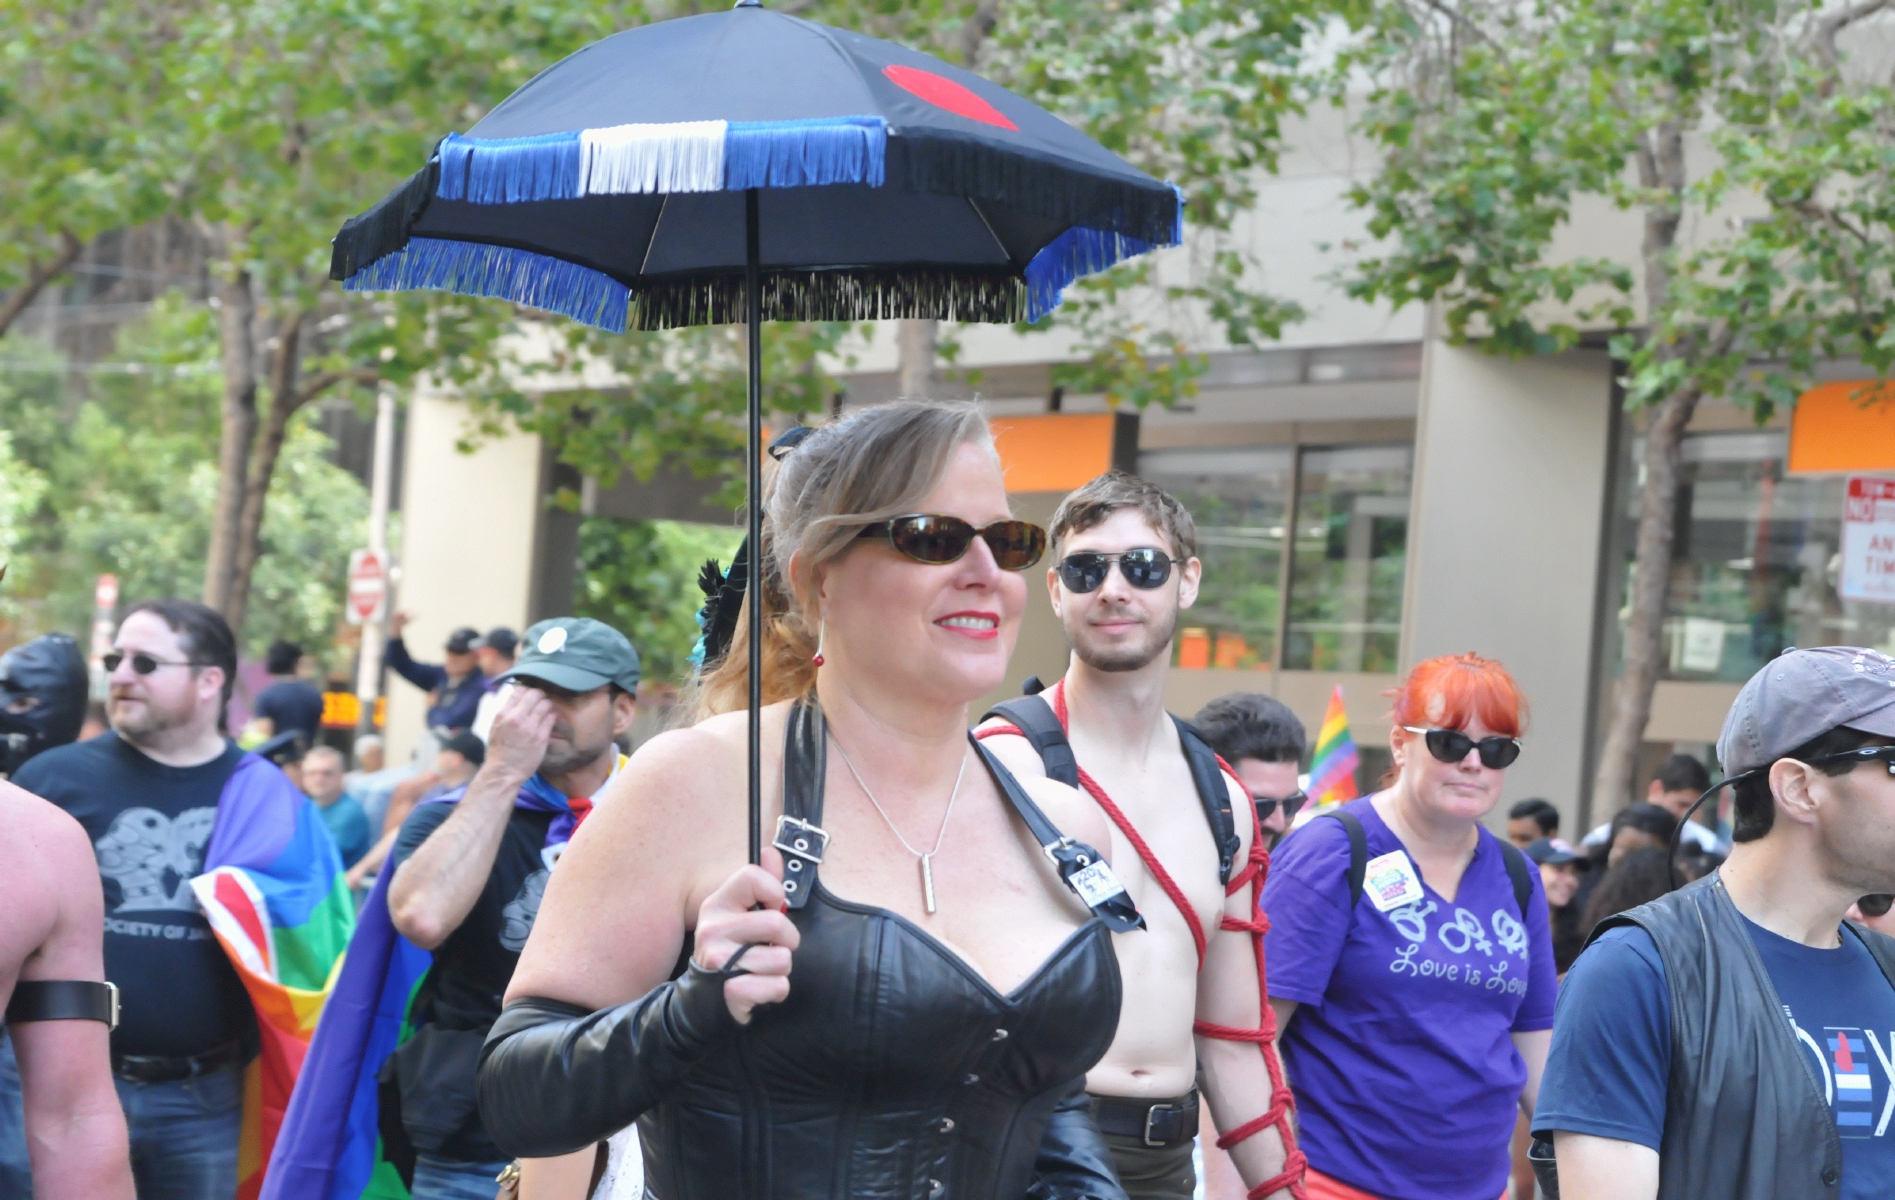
(578, 654)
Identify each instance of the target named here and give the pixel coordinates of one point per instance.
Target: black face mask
(46, 679)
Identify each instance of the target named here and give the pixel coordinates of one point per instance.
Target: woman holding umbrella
(916, 1021)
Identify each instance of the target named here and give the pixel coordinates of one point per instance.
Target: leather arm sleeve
(555, 1078)
(1074, 1163)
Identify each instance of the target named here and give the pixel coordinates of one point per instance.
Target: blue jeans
(451, 1179)
(183, 1133)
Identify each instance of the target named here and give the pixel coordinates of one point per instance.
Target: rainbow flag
(1332, 772)
(274, 893)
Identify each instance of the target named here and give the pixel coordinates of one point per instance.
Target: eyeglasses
(1876, 905)
(1144, 568)
(938, 540)
(1882, 754)
(1451, 746)
(1292, 804)
(142, 663)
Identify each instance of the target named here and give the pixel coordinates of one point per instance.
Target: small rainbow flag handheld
(1332, 773)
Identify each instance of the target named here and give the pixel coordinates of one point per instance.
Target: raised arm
(426, 676)
(75, 1129)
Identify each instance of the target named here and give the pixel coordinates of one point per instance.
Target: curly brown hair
(1095, 502)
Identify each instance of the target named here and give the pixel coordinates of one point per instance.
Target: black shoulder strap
(1517, 871)
(799, 835)
(1358, 854)
(1035, 719)
(63, 1000)
(1078, 864)
(1213, 793)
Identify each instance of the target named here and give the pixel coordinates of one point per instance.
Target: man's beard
(1129, 658)
(149, 720)
(563, 758)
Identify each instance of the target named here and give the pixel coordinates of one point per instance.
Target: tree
(1740, 123)
(641, 578)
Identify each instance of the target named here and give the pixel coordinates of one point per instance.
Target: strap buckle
(1151, 1119)
(1052, 849)
(111, 990)
(799, 839)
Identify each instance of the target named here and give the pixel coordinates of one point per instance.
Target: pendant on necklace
(927, 882)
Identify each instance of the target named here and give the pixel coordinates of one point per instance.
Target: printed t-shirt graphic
(1610, 1064)
(150, 825)
(1401, 1052)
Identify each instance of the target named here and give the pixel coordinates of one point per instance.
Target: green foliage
(640, 577)
(1497, 118)
(129, 481)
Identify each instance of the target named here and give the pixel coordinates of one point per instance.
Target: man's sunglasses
(1451, 746)
(1292, 804)
(1881, 754)
(937, 540)
(142, 663)
(1143, 568)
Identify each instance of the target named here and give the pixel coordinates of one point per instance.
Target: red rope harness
(1255, 871)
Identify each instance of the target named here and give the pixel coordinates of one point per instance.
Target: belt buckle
(1151, 1117)
(800, 839)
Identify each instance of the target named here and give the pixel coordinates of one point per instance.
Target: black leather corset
(894, 1071)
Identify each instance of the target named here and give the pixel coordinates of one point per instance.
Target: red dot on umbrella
(945, 93)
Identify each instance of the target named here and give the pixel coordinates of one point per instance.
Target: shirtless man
(53, 930)
(1124, 567)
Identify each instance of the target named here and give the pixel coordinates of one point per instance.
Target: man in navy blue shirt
(1685, 1082)
(454, 687)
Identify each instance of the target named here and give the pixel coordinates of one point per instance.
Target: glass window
(1237, 497)
(1348, 560)
(1755, 560)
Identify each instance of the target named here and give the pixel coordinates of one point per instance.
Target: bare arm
(1533, 1047)
(434, 890)
(1235, 1079)
(1597, 1168)
(75, 1129)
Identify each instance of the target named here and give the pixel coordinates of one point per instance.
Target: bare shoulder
(40, 834)
(48, 887)
(1012, 749)
(1071, 812)
(1243, 811)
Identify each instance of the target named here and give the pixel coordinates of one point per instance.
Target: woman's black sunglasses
(1451, 746)
(1143, 568)
(142, 664)
(936, 540)
(1292, 804)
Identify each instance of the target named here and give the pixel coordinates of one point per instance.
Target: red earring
(821, 629)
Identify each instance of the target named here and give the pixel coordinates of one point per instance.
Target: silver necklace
(927, 860)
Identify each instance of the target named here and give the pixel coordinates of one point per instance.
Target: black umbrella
(700, 170)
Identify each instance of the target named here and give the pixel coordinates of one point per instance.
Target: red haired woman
(1411, 960)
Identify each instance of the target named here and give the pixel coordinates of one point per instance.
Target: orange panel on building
(1846, 426)
(1054, 452)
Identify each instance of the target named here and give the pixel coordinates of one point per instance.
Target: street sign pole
(368, 668)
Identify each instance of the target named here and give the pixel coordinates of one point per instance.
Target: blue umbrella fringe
(383, 229)
(805, 153)
(476, 269)
(510, 170)
(833, 296)
(1076, 253)
(963, 165)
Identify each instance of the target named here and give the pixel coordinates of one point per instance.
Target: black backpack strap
(63, 1000)
(1358, 854)
(798, 831)
(1078, 864)
(1517, 871)
(1036, 720)
(1214, 793)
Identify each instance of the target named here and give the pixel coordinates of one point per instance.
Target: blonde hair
(875, 464)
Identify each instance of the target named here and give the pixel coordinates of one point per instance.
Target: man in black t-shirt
(470, 868)
(146, 795)
(291, 704)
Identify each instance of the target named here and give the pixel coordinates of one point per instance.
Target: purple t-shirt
(1400, 1055)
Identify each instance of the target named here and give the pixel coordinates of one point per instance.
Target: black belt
(152, 1068)
(1163, 1123)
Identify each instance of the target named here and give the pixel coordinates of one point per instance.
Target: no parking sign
(1868, 540)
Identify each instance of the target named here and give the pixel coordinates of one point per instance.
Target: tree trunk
(38, 277)
(916, 342)
(1661, 167)
(284, 401)
(236, 295)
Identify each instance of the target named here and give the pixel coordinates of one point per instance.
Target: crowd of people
(1084, 950)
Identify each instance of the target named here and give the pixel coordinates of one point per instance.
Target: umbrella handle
(753, 304)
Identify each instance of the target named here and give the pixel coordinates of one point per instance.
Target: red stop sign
(368, 583)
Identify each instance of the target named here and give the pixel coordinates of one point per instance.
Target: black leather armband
(63, 1000)
(555, 1078)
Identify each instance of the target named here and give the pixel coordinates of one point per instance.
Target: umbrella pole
(753, 304)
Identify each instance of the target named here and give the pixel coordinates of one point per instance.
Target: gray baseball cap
(578, 654)
(1803, 694)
